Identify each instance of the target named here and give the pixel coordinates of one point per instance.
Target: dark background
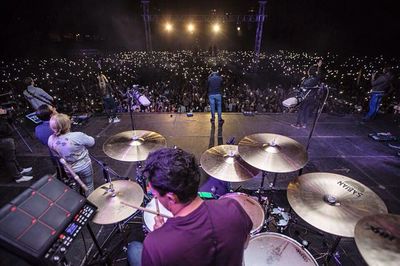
(52, 27)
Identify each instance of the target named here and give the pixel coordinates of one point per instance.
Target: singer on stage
(214, 83)
(71, 146)
(380, 86)
(108, 98)
(310, 86)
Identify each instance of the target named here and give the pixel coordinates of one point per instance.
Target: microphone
(138, 96)
(74, 175)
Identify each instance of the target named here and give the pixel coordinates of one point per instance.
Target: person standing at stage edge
(214, 84)
(212, 232)
(8, 156)
(108, 99)
(380, 87)
(35, 95)
(310, 87)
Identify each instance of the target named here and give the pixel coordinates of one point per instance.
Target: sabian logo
(351, 187)
(382, 232)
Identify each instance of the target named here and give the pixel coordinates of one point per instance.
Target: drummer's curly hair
(173, 170)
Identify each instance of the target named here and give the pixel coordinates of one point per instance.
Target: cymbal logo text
(350, 188)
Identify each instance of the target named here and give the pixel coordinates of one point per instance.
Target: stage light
(190, 27)
(168, 27)
(216, 28)
(238, 28)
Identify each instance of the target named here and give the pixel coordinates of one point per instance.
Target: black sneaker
(221, 121)
(212, 120)
(397, 147)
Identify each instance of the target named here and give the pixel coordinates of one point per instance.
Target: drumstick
(146, 210)
(157, 207)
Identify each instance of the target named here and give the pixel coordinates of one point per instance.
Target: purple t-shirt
(213, 234)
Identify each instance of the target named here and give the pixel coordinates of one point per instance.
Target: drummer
(212, 232)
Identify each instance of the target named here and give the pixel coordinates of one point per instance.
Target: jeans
(134, 253)
(7, 154)
(215, 99)
(305, 111)
(110, 107)
(374, 103)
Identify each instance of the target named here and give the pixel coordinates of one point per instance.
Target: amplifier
(43, 220)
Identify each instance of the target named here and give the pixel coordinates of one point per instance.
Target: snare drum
(148, 218)
(276, 249)
(253, 209)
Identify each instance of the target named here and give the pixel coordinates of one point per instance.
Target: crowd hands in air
(176, 81)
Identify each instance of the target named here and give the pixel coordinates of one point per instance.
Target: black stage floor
(340, 145)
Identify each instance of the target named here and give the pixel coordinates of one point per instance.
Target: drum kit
(332, 203)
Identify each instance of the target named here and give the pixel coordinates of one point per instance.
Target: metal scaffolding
(147, 28)
(260, 25)
(259, 18)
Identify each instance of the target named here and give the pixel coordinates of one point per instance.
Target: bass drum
(276, 249)
(251, 206)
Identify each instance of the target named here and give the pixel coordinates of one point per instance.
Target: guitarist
(310, 85)
(35, 95)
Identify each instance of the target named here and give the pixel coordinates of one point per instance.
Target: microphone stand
(130, 102)
(317, 115)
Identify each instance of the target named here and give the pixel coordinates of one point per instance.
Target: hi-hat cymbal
(224, 163)
(332, 203)
(134, 145)
(378, 239)
(109, 207)
(273, 153)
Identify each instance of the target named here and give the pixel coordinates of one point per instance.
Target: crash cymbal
(332, 203)
(109, 207)
(224, 163)
(133, 146)
(378, 239)
(273, 153)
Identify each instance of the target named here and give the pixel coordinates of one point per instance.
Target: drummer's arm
(159, 221)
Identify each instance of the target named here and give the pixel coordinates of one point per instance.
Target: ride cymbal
(378, 239)
(273, 153)
(224, 163)
(108, 202)
(133, 146)
(332, 203)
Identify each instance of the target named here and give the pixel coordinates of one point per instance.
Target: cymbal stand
(12, 124)
(261, 188)
(140, 179)
(103, 252)
(332, 250)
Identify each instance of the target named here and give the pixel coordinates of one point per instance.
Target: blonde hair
(60, 124)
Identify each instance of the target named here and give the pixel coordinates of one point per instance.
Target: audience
(174, 81)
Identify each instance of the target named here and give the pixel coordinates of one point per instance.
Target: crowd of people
(180, 82)
(176, 81)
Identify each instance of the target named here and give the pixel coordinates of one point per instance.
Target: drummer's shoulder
(224, 203)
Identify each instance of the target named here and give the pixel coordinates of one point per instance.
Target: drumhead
(276, 249)
(253, 209)
(148, 218)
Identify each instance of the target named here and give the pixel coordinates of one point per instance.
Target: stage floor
(340, 145)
